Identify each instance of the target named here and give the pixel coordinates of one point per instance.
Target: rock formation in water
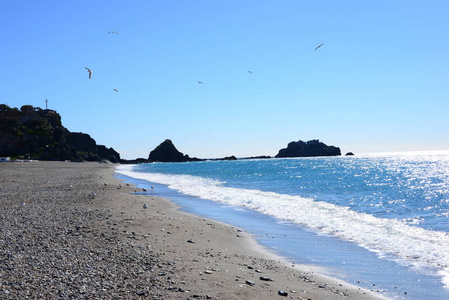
(167, 152)
(36, 133)
(308, 149)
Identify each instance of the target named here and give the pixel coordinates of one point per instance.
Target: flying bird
(250, 72)
(113, 32)
(115, 90)
(319, 46)
(90, 72)
(200, 82)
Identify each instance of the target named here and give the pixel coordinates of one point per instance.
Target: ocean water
(380, 221)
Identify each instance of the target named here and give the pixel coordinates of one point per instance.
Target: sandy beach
(74, 231)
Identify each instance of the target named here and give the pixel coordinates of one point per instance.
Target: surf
(413, 246)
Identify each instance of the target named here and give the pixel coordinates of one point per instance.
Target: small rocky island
(167, 152)
(308, 149)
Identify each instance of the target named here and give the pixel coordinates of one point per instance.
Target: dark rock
(257, 157)
(134, 161)
(225, 158)
(349, 154)
(308, 149)
(167, 152)
(282, 293)
(265, 278)
(229, 158)
(250, 282)
(32, 132)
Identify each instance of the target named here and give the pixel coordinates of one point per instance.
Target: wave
(421, 248)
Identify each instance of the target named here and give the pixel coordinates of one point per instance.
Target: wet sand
(73, 230)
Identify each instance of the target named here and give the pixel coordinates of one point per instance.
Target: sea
(378, 221)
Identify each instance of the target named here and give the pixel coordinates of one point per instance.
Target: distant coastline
(167, 152)
(34, 133)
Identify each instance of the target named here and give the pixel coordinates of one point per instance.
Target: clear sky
(379, 83)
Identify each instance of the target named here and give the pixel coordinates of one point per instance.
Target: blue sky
(379, 83)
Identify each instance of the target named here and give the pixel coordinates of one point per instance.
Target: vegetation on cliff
(32, 132)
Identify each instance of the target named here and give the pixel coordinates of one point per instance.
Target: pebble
(250, 282)
(60, 246)
(282, 293)
(265, 278)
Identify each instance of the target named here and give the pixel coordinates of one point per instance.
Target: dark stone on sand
(250, 282)
(308, 149)
(265, 278)
(283, 293)
(191, 241)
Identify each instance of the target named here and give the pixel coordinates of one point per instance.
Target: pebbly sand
(60, 241)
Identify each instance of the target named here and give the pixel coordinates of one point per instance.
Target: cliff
(308, 149)
(32, 132)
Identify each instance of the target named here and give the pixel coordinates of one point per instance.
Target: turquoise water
(389, 209)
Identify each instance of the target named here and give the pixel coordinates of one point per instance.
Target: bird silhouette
(113, 32)
(90, 72)
(250, 72)
(115, 90)
(200, 82)
(319, 46)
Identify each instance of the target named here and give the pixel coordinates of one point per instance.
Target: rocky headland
(35, 133)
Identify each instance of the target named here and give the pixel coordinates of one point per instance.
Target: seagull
(250, 72)
(200, 82)
(319, 46)
(115, 90)
(113, 32)
(90, 72)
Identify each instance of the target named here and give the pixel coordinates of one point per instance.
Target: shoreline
(171, 254)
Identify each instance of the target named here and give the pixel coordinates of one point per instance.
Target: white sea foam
(421, 247)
